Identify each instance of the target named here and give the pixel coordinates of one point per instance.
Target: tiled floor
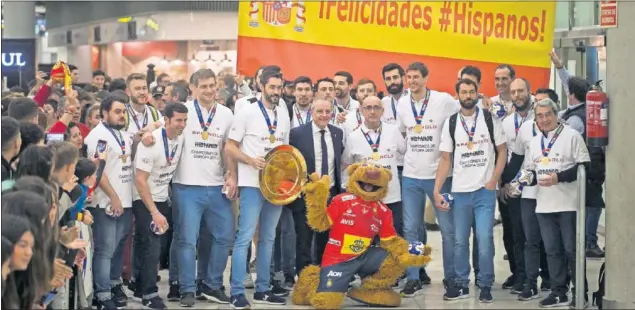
(431, 297)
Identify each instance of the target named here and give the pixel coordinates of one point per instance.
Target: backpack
(153, 111)
(599, 294)
(490, 128)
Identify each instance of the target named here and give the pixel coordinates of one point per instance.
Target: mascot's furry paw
(327, 300)
(410, 260)
(398, 248)
(316, 195)
(376, 298)
(306, 286)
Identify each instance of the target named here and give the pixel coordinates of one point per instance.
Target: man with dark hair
(253, 98)
(365, 88)
(163, 80)
(99, 78)
(117, 84)
(343, 84)
(74, 73)
(178, 92)
(393, 76)
(91, 88)
(325, 89)
(503, 77)
(31, 134)
(141, 117)
(11, 142)
(155, 166)
(300, 111)
(24, 110)
(542, 93)
(68, 110)
(287, 93)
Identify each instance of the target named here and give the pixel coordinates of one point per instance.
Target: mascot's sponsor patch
(355, 245)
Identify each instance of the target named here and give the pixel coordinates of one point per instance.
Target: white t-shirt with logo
(566, 152)
(152, 159)
(143, 119)
(300, 116)
(527, 132)
(391, 144)
(509, 127)
(250, 130)
(201, 162)
(119, 173)
(422, 155)
(473, 168)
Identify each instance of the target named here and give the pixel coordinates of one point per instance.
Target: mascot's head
(368, 181)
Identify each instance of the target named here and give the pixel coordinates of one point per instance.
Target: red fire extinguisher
(597, 118)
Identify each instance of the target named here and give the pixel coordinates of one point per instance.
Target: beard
(116, 126)
(468, 103)
(395, 89)
(273, 99)
(524, 106)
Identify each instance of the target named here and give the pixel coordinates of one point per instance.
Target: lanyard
(470, 132)
(199, 113)
(120, 140)
(359, 118)
(424, 107)
(373, 145)
(394, 107)
(299, 117)
(333, 109)
(272, 128)
(533, 129)
(545, 151)
(517, 124)
(133, 114)
(168, 156)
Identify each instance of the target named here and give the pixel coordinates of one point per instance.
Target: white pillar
(19, 19)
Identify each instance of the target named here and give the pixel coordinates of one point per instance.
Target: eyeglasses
(371, 108)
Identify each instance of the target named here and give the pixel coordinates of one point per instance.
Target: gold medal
(272, 138)
(123, 158)
(418, 128)
(470, 145)
(204, 135)
(375, 156)
(544, 160)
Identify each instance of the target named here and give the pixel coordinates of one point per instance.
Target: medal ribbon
(299, 117)
(517, 124)
(199, 113)
(272, 128)
(133, 114)
(394, 107)
(359, 118)
(424, 107)
(470, 132)
(120, 140)
(545, 151)
(373, 145)
(168, 156)
(333, 109)
(533, 129)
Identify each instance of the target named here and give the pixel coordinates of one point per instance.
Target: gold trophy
(284, 175)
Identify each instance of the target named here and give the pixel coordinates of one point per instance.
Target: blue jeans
(593, 215)
(284, 245)
(254, 211)
(476, 208)
(109, 238)
(208, 203)
(173, 271)
(413, 197)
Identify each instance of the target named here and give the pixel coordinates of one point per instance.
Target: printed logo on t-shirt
(354, 244)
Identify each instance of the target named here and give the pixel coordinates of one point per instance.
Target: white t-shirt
(527, 132)
(391, 144)
(249, 128)
(391, 116)
(245, 101)
(300, 116)
(353, 105)
(422, 156)
(142, 119)
(511, 127)
(567, 151)
(119, 173)
(472, 168)
(201, 162)
(353, 121)
(152, 159)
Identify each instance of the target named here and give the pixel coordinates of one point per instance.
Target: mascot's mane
(368, 181)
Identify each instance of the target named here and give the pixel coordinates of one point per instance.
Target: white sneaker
(248, 282)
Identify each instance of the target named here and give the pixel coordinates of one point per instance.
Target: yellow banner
(518, 33)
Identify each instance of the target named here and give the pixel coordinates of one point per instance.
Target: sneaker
(476, 282)
(594, 252)
(252, 266)
(132, 286)
(174, 294)
(411, 288)
(455, 292)
(572, 303)
(432, 227)
(486, 295)
(529, 292)
(545, 285)
(137, 296)
(509, 283)
(554, 300)
(107, 304)
(154, 303)
(268, 298)
(188, 299)
(423, 277)
(239, 302)
(119, 297)
(278, 290)
(289, 281)
(248, 282)
(217, 296)
(517, 289)
(199, 285)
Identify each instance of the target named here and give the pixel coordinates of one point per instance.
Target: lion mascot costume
(355, 218)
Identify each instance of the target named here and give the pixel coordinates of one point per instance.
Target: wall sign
(18, 61)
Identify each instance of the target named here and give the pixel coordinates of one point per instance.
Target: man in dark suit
(322, 145)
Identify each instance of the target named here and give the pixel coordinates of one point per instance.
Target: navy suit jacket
(301, 138)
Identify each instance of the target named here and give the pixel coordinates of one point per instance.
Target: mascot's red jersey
(354, 224)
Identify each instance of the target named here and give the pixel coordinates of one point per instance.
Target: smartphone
(101, 147)
(53, 137)
(48, 298)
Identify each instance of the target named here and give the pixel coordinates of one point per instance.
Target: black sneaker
(411, 288)
(423, 277)
(268, 298)
(486, 295)
(278, 290)
(119, 297)
(289, 281)
(188, 299)
(432, 227)
(199, 285)
(239, 302)
(517, 289)
(572, 303)
(107, 304)
(594, 252)
(137, 296)
(530, 291)
(174, 294)
(554, 300)
(154, 303)
(545, 285)
(509, 283)
(217, 296)
(455, 292)
(132, 286)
